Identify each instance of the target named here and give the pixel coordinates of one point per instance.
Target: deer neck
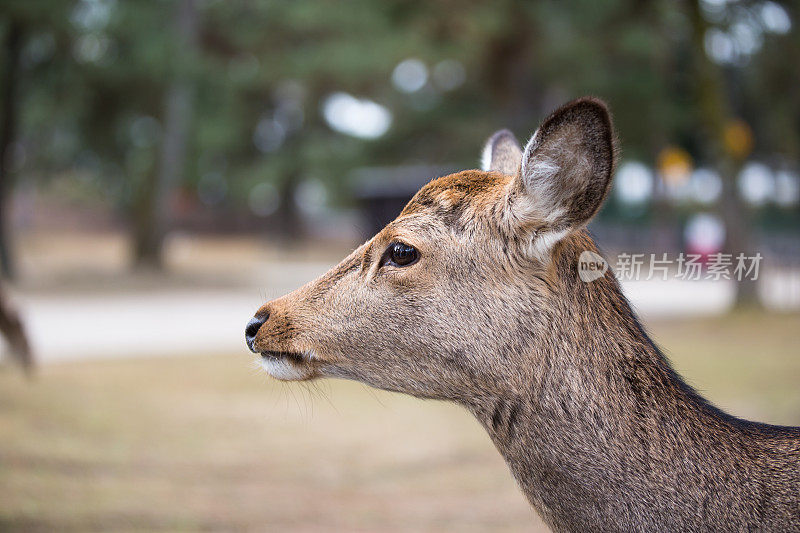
(604, 435)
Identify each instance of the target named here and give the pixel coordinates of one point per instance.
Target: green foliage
(95, 73)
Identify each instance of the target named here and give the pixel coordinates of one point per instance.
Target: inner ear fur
(567, 165)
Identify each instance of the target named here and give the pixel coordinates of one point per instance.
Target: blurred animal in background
(474, 294)
(12, 329)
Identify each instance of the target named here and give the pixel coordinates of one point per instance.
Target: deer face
(451, 297)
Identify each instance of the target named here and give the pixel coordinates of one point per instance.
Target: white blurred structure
(182, 322)
(357, 117)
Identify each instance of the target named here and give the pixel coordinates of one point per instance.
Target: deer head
(457, 295)
(473, 294)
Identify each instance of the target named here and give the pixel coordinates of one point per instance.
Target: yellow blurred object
(674, 165)
(738, 138)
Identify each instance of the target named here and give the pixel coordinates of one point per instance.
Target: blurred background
(169, 165)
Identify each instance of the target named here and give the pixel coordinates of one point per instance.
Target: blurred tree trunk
(509, 74)
(8, 132)
(715, 114)
(290, 224)
(152, 216)
(791, 134)
(665, 220)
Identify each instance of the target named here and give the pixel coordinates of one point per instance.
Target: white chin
(283, 369)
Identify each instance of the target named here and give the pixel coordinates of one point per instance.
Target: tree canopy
(264, 79)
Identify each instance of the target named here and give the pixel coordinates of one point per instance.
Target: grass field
(210, 443)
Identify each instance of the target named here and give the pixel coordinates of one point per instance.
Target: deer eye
(399, 254)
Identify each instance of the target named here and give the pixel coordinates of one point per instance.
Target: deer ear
(501, 153)
(565, 172)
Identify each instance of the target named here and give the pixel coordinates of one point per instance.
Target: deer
(472, 295)
(11, 327)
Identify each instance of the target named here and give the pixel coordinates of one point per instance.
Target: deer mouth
(286, 366)
(293, 357)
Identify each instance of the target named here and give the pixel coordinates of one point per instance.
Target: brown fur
(598, 430)
(12, 330)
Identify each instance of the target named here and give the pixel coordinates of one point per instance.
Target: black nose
(251, 330)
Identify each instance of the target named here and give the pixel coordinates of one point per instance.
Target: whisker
(324, 395)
